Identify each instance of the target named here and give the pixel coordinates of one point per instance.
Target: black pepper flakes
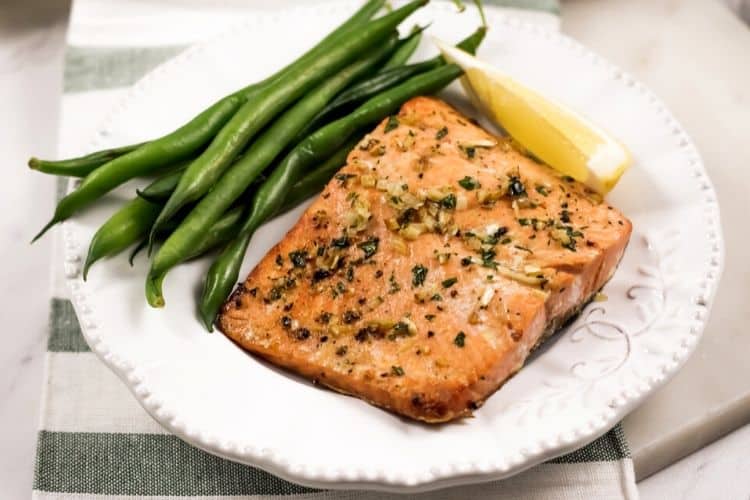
(516, 188)
(324, 318)
(302, 334)
(298, 258)
(350, 316)
(460, 339)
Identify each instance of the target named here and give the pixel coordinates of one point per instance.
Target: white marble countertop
(31, 50)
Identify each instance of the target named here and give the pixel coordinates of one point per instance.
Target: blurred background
(648, 38)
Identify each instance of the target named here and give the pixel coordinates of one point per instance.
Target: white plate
(212, 394)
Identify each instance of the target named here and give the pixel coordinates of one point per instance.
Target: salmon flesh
(429, 268)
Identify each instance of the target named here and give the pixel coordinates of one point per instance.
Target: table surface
(683, 49)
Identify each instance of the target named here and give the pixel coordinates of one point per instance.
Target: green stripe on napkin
(161, 464)
(65, 331)
(144, 464)
(552, 6)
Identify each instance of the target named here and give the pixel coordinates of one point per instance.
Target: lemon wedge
(556, 135)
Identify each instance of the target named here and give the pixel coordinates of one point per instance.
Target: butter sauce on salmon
(429, 268)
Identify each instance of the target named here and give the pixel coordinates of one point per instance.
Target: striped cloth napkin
(95, 440)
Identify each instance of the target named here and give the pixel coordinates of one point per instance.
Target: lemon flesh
(558, 136)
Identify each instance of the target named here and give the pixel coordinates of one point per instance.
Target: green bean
(222, 231)
(406, 48)
(81, 166)
(224, 271)
(159, 190)
(147, 159)
(270, 195)
(234, 182)
(130, 223)
(360, 92)
(124, 228)
(184, 141)
(259, 110)
(138, 248)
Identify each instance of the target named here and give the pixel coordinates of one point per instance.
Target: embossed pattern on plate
(209, 392)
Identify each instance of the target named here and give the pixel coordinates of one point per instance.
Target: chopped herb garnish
(542, 190)
(351, 316)
(505, 241)
(370, 247)
(320, 275)
(441, 133)
(391, 124)
(298, 258)
(488, 256)
(460, 339)
(447, 283)
(524, 221)
(418, 275)
(400, 329)
(565, 216)
(470, 151)
(436, 297)
(501, 231)
(449, 202)
(393, 285)
(429, 317)
(466, 261)
(521, 247)
(342, 242)
(342, 178)
(397, 371)
(516, 187)
(350, 274)
(469, 183)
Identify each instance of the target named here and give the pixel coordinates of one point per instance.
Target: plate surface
(209, 392)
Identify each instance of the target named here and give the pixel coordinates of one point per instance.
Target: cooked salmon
(429, 268)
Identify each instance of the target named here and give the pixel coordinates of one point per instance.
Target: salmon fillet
(428, 269)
